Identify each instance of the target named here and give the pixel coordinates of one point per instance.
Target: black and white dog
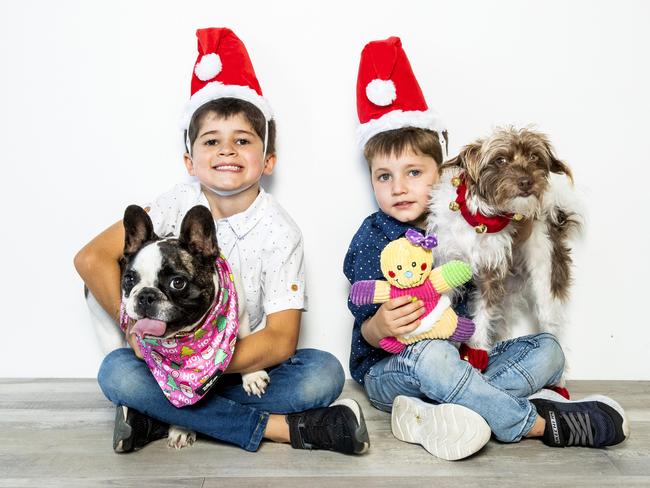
(169, 285)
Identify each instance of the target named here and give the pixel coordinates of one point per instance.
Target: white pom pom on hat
(208, 67)
(381, 92)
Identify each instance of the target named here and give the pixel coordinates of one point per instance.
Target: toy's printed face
(187, 390)
(405, 265)
(207, 353)
(156, 357)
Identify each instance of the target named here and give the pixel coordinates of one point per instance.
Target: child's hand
(396, 317)
(133, 342)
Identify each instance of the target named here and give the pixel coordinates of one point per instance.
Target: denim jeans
(432, 370)
(309, 379)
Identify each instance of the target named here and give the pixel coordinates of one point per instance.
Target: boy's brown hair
(397, 141)
(229, 107)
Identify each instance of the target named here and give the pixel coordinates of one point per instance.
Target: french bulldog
(169, 285)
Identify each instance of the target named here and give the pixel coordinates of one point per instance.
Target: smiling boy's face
(402, 184)
(227, 154)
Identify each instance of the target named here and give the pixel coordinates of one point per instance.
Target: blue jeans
(432, 370)
(309, 379)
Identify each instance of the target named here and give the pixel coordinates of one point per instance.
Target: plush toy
(407, 264)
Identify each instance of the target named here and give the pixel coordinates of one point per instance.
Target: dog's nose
(408, 274)
(524, 183)
(147, 297)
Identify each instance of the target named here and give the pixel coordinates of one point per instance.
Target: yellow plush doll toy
(407, 264)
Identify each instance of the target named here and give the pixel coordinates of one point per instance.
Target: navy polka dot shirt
(362, 263)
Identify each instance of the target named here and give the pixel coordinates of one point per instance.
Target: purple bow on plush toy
(417, 239)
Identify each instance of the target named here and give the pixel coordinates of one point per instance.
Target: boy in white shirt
(230, 141)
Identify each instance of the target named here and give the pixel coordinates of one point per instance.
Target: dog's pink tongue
(150, 327)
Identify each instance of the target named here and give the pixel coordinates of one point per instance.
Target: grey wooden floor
(57, 432)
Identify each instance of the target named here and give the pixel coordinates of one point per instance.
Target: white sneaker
(447, 431)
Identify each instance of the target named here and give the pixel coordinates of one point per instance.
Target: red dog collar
(481, 223)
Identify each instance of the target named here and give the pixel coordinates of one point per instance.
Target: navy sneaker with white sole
(447, 431)
(593, 421)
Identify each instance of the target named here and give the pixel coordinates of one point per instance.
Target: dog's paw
(479, 344)
(178, 437)
(255, 383)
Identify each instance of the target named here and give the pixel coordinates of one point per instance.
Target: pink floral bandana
(186, 366)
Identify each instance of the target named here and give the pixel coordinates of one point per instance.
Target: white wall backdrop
(91, 93)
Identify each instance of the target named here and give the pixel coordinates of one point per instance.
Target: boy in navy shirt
(437, 399)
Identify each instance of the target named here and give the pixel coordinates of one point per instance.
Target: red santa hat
(223, 69)
(388, 94)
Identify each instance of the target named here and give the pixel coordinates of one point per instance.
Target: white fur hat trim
(381, 92)
(208, 67)
(397, 119)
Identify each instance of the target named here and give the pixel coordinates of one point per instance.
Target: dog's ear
(557, 166)
(467, 159)
(198, 233)
(456, 162)
(560, 167)
(138, 229)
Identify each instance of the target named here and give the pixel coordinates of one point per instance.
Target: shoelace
(580, 433)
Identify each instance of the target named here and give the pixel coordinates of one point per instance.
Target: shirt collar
(243, 222)
(392, 228)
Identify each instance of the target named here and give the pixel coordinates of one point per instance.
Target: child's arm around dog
(229, 135)
(98, 265)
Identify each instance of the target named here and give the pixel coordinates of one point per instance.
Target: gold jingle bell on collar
(455, 181)
(454, 207)
(481, 229)
(517, 217)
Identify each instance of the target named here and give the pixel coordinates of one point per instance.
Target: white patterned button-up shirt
(263, 244)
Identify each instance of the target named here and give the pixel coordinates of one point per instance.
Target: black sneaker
(339, 427)
(594, 421)
(134, 430)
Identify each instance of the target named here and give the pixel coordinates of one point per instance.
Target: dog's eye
(500, 161)
(399, 267)
(178, 283)
(128, 280)
(532, 158)
(413, 264)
